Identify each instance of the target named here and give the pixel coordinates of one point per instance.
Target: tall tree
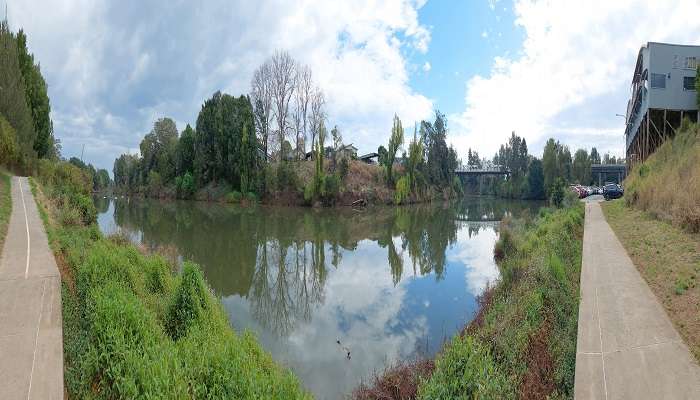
(595, 156)
(261, 94)
(283, 73)
(550, 165)
(582, 167)
(395, 141)
(185, 151)
(37, 98)
(13, 101)
(441, 160)
(535, 180)
(318, 114)
(302, 98)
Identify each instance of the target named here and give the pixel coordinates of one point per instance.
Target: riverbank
(5, 205)
(133, 327)
(359, 184)
(522, 343)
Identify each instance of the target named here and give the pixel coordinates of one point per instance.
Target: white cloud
(139, 61)
(484, 34)
(571, 75)
(426, 67)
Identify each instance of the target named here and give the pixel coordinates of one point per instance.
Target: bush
(403, 190)
(185, 185)
(287, 178)
(465, 370)
(234, 197)
(190, 305)
(343, 168)
(251, 198)
(330, 188)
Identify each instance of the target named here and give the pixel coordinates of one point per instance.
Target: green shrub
(403, 190)
(287, 178)
(185, 185)
(190, 304)
(234, 197)
(465, 370)
(343, 168)
(251, 198)
(330, 188)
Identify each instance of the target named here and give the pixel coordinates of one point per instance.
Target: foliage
(556, 163)
(667, 184)
(395, 141)
(185, 185)
(234, 197)
(403, 189)
(466, 370)
(5, 205)
(535, 180)
(13, 98)
(581, 168)
(132, 329)
(343, 168)
(440, 161)
(9, 148)
(37, 99)
(557, 192)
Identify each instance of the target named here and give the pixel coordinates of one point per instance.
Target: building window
(658, 81)
(688, 83)
(691, 62)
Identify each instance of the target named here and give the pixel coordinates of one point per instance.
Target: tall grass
(667, 184)
(5, 205)
(133, 329)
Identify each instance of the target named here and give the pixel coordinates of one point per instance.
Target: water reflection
(384, 281)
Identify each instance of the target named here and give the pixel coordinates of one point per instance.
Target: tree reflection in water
(278, 258)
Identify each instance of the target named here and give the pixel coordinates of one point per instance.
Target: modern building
(662, 94)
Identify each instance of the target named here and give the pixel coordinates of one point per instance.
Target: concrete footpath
(627, 348)
(31, 332)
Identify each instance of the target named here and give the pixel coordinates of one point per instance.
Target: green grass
(668, 257)
(524, 342)
(5, 205)
(133, 329)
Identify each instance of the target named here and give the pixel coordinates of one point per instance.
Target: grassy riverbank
(132, 327)
(5, 205)
(669, 260)
(522, 344)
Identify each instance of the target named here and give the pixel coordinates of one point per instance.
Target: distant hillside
(668, 183)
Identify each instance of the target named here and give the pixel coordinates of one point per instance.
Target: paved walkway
(31, 336)
(627, 347)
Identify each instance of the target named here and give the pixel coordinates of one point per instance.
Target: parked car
(612, 191)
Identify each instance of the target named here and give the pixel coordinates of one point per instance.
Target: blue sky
(542, 68)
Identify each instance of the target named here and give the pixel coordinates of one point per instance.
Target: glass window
(688, 83)
(691, 62)
(658, 81)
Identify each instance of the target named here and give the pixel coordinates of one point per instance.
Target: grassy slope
(522, 344)
(133, 329)
(669, 260)
(5, 206)
(667, 184)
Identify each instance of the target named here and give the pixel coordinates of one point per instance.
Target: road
(31, 333)
(627, 347)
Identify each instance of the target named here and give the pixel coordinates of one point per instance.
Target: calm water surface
(388, 283)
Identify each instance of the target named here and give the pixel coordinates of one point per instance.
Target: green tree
(13, 101)
(535, 180)
(440, 160)
(595, 156)
(550, 165)
(414, 161)
(395, 141)
(582, 167)
(37, 99)
(185, 151)
(565, 163)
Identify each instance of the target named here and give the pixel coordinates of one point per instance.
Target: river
(387, 283)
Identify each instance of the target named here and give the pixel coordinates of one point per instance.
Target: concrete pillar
(600, 179)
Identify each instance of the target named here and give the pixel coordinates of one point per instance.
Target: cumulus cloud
(114, 67)
(571, 75)
(426, 67)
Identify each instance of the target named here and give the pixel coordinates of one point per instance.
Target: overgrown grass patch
(5, 205)
(668, 257)
(133, 329)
